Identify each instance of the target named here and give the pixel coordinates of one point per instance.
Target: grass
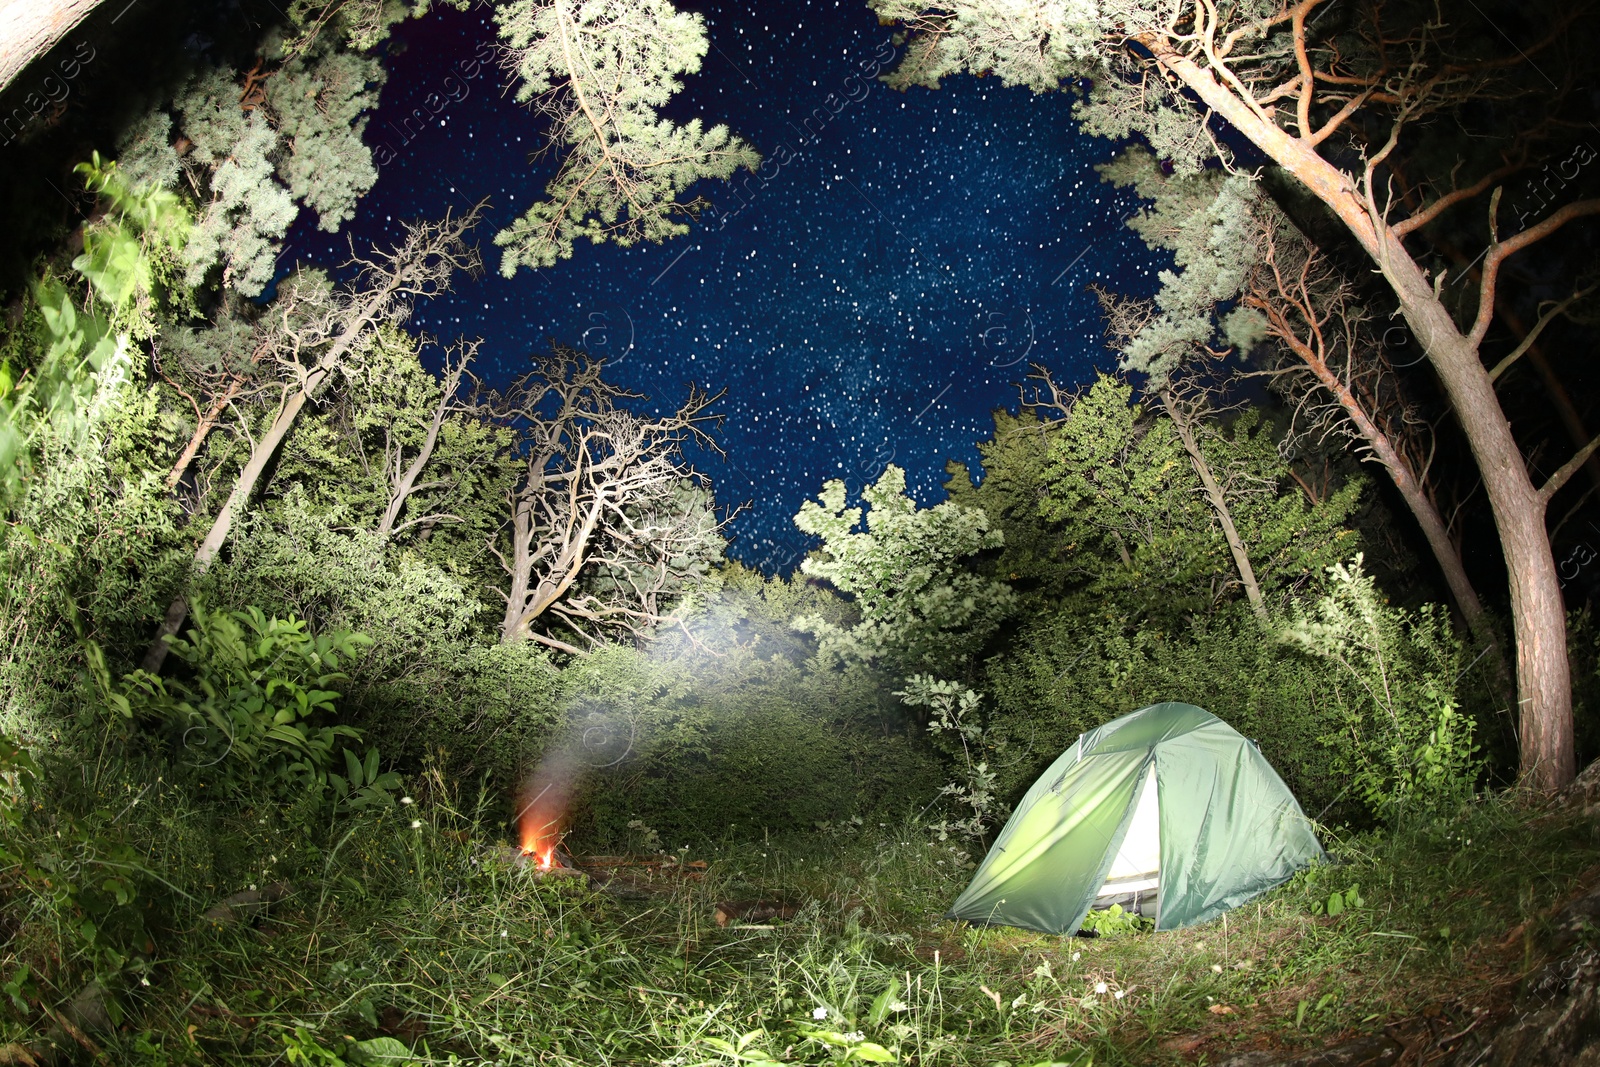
(421, 934)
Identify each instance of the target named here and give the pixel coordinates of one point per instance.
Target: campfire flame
(540, 817)
(541, 848)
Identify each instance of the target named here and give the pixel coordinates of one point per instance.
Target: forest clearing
(993, 533)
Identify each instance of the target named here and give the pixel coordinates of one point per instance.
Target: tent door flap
(1137, 868)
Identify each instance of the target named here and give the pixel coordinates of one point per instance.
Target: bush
(1067, 674)
(705, 747)
(1400, 738)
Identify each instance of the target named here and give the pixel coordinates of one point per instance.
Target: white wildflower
(819, 1013)
(1099, 987)
(416, 824)
(1119, 994)
(407, 800)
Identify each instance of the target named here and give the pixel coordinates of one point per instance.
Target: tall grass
(425, 933)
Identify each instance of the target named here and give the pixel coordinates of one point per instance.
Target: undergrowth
(407, 937)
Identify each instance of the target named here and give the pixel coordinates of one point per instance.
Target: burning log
(554, 864)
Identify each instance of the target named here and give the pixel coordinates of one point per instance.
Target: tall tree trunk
(1421, 506)
(1538, 614)
(30, 28)
(1219, 504)
(1401, 473)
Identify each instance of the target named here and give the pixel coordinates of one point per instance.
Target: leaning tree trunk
(1422, 507)
(30, 28)
(1219, 504)
(245, 486)
(222, 526)
(1544, 681)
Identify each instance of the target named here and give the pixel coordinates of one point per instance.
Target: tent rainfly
(1168, 806)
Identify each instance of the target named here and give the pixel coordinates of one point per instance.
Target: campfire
(539, 826)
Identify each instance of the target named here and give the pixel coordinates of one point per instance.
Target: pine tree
(253, 154)
(921, 606)
(601, 71)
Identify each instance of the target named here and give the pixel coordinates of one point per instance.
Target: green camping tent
(1167, 807)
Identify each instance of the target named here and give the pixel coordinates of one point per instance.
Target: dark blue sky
(872, 302)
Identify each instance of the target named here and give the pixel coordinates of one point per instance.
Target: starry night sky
(871, 302)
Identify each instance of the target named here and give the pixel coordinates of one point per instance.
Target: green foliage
(362, 24)
(257, 709)
(345, 456)
(1339, 902)
(319, 99)
(1010, 490)
(958, 730)
(729, 739)
(85, 875)
(1070, 672)
(1112, 921)
(130, 254)
(604, 72)
(920, 606)
(245, 213)
(1206, 222)
(1401, 738)
(253, 165)
(1122, 491)
(47, 381)
(76, 350)
(19, 776)
(1031, 45)
(1046, 46)
(1134, 528)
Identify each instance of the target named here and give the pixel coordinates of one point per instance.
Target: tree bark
(202, 430)
(406, 483)
(1538, 613)
(1219, 504)
(30, 28)
(245, 486)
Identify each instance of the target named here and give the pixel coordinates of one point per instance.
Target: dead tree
(1333, 372)
(313, 331)
(604, 525)
(402, 476)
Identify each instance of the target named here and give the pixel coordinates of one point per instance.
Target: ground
(830, 947)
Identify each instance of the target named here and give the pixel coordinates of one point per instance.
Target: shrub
(732, 745)
(1400, 738)
(257, 710)
(1069, 673)
(958, 730)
